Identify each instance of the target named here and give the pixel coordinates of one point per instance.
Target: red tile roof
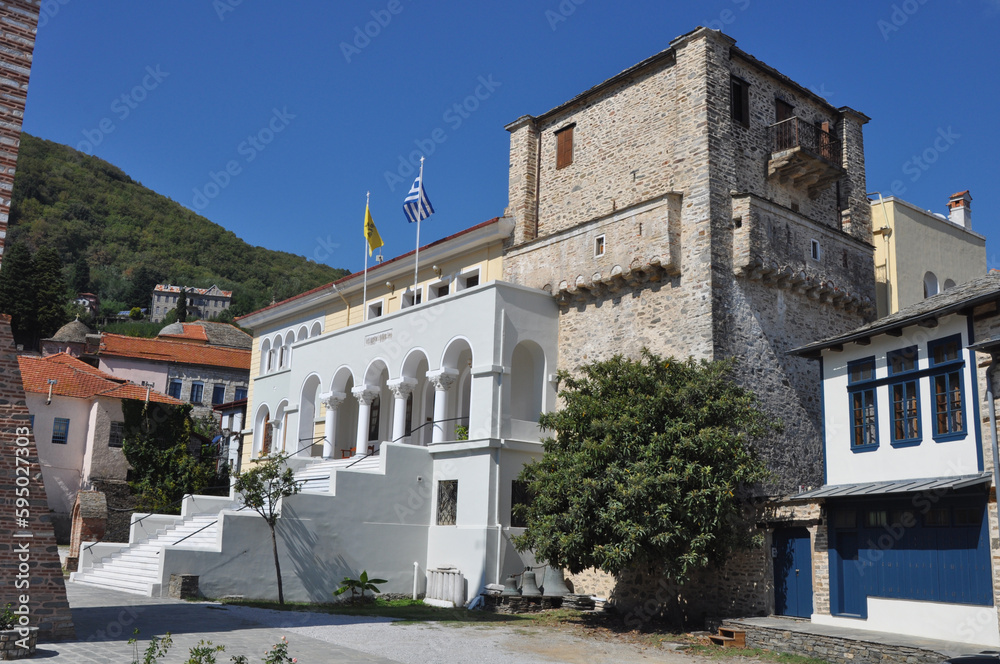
(373, 269)
(176, 352)
(79, 380)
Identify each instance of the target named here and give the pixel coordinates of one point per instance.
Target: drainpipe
(496, 497)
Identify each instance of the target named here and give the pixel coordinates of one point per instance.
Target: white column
(332, 401)
(442, 380)
(365, 394)
(276, 442)
(401, 388)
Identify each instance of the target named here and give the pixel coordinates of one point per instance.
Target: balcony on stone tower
(805, 155)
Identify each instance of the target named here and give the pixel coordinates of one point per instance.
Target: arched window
(930, 284)
(948, 284)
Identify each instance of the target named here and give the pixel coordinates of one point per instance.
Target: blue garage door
(925, 548)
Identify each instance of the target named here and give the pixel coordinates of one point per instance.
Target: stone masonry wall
(30, 571)
(189, 374)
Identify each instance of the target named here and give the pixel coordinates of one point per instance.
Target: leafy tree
(50, 292)
(17, 279)
(260, 487)
(358, 585)
(81, 275)
(135, 313)
(144, 280)
(158, 446)
(182, 306)
(651, 463)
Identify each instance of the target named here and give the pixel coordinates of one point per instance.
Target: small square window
(117, 435)
(945, 350)
(241, 393)
(876, 518)
(598, 246)
(375, 310)
(60, 431)
(937, 517)
(408, 301)
(564, 147)
(860, 371)
(815, 252)
(447, 507)
(468, 280)
(901, 361)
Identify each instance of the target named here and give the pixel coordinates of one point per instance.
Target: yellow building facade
(919, 253)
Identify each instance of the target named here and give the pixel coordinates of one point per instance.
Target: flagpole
(420, 211)
(364, 295)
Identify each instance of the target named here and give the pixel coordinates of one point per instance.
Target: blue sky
(274, 119)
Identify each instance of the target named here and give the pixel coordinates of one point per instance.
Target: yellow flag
(371, 233)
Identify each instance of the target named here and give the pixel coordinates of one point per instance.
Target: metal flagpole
(420, 215)
(364, 295)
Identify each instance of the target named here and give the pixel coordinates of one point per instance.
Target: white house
(76, 417)
(907, 542)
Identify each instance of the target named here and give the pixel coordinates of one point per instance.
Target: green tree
(81, 275)
(49, 292)
(651, 463)
(182, 306)
(140, 291)
(17, 297)
(260, 488)
(166, 465)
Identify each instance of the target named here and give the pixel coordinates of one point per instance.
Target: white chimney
(960, 209)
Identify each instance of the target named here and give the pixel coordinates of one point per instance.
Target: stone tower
(700, 204)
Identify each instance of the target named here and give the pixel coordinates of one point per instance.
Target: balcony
(804, 155)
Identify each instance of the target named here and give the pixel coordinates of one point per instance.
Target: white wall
(62, 465)
(961, 623)
(136, 371)
(928, 459)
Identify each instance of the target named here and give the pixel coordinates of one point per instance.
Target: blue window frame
(218, 394)
(241, 393)
(197, 392)
(904, 396)
(864, 410)
(60, 430)
(948, 388)
(174, 389)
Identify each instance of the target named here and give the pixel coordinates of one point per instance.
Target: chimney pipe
(960, 209)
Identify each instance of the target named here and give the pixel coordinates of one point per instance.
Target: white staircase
(136, 568)
(315, 476)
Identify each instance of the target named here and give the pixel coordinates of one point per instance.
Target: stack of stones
(12, 643)
(578, 602)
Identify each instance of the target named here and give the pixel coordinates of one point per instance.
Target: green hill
(119, 238)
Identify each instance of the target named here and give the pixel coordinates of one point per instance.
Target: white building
(408, 430)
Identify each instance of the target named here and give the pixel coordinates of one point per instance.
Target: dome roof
(72, 332)
(173, 328)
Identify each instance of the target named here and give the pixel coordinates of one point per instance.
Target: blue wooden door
(792, 573)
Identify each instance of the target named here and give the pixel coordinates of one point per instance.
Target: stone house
(908, 536)
(698, 204)
(191, 369)
(76, 416)
(201, 302)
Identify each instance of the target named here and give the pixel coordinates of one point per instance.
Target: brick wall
(45, 592)
(27, 549)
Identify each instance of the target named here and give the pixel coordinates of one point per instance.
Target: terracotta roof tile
(191, 332)
(177, 352)
(79, 380)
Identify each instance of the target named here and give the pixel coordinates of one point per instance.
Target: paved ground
(105, 619)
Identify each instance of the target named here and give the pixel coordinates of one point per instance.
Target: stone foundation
(832, 649)
(15, 646)
(183, 586)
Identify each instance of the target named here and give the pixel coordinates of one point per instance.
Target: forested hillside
(118, 239)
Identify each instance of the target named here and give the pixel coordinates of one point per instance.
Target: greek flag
(417, 206)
